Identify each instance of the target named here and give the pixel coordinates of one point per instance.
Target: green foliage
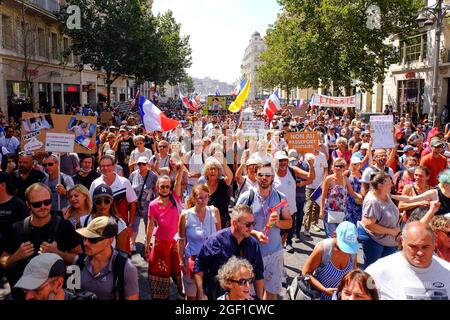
(327, 42)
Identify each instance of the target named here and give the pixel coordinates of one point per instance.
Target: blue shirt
(221, 246)
(360, 156)
(261, 211)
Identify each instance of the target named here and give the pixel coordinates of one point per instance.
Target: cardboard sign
(382, 129)
(303, 142)
(254, 128)
(51, 132)
(59, 142)
(105, 116)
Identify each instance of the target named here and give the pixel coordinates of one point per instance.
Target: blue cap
(347, 237)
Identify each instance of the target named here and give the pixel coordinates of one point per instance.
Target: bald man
(414, 273)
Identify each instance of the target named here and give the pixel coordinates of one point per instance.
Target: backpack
(55, 222)
(118, 270)
(251, 197)
(300, 288)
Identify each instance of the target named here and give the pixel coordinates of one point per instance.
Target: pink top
(167, 219)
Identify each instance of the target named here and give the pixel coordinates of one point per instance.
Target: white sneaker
(316, 228)
(306, 233)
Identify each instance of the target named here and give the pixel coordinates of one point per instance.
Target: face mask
(411, 169)
(85, 171)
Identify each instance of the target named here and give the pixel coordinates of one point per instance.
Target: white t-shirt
(368, 172)
(396, 279)
(135, 155)
(320, 163)
(287, 186)
(119, 186)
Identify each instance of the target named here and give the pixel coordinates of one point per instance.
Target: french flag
(153, 119)
(239, 87)
(300, 103)
(317, 195)
(272, 105)
(186, 102)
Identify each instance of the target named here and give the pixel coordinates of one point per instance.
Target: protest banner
(216, 105)
(333, 102)
(303, 142)
(382, 130)
(53, 132)
(254, 128)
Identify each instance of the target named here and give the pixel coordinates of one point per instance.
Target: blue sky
(219, 31)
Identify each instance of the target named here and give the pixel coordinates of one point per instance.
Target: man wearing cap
(100, 263)
(39, 233)
(435, 161)
(43, 279)
(285, 181)
(408, 151)
(124, 196)
(139, 151)
(248, 181)
(414, 273)
(261, 199)
(25, 175)
(418, 134)
(86, 175)
(331, 139)
(380, 158)
(143, 181)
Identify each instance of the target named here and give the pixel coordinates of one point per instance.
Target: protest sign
(303, 142)
(253, 128)
(105, 116)
(333, 102)
(52, 132)
(382, 129)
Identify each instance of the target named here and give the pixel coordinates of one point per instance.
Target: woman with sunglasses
(236, 278)
(195, 225)
(333, 205)
(80, 204)
(104, 206)
(139, 151)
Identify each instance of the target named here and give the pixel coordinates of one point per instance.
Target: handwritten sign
(253, 128)
(303, 142)
(382, 128)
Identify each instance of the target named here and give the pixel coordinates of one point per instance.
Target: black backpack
(55, 222)
(251, 197)
(118, 270)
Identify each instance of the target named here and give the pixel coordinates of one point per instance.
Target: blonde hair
(84, 191)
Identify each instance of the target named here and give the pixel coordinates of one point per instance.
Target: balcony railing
(50, 5)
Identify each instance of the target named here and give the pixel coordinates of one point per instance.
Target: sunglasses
(162, 147)
(50, 164)
(340, 166)
(39, 204)
(242, 282)
(94, 240)
(100, 201)
(164, 187)
(141, 164)
(249, 224)
(265, 175)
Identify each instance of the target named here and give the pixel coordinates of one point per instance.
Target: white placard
(253, 128)
(59, 142)
(382, 129)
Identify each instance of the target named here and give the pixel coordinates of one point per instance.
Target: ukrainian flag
(236, 105)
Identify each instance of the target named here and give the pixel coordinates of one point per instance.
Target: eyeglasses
(39, 204)
(94, 240)
(50, 164)
(141, 164)
(267, 175)
(340, 166)
(100, 201)
(164, 187)
(243, 282)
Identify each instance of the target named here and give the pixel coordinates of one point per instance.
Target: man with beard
(86, 175)
(9, 141)
(37, 234)
(268, 224)
(25, 175)
(380, 159)
(222, 245)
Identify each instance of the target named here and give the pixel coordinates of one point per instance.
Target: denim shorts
(274, 272)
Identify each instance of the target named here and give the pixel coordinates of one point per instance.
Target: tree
(109, 38)
(328, 42)
(188, 84)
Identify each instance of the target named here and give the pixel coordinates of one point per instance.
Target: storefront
(410, 94)
(44, 97)
(71, 94)
(16, 98)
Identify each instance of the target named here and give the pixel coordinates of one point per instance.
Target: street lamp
(429, 16)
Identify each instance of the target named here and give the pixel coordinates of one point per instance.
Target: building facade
(251, 62)
(31, 35)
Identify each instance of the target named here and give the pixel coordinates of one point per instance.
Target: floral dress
(354, 210)
(336, 201)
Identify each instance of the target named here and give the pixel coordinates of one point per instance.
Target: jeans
(373, 250)
(330, 228)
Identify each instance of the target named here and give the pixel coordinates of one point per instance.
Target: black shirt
(124, 149)
(65, 236)
(10, 212)
(22, 184)
(86, 181)
(220, 199)
(445, 203)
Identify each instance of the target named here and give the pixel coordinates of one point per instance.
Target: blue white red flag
(272, 105)
(153, 119)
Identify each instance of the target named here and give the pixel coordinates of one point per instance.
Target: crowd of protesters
(221, 207)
